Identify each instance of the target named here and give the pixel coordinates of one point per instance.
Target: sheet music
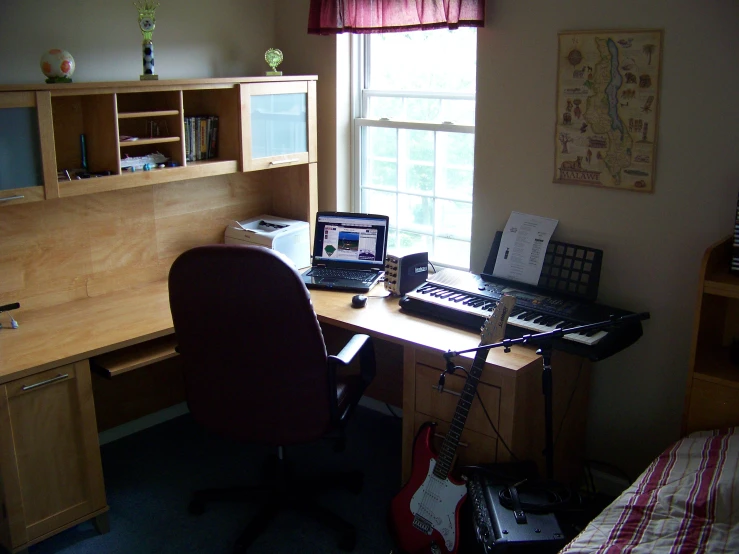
(523, 246)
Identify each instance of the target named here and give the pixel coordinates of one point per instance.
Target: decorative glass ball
(58, 66)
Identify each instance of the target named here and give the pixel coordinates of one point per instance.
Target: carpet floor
(149, 477)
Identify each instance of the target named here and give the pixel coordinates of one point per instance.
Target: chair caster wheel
(348, 541)
(196, 507)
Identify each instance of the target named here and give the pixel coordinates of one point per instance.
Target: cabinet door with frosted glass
(278, 124)
(26, 148)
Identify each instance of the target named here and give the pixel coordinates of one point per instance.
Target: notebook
(348, 251)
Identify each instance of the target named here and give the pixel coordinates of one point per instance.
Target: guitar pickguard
(435, 504)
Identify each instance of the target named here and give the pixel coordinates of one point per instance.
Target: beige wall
(219, 38)
(652, 243)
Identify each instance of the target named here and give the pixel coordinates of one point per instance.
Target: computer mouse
(359, 301)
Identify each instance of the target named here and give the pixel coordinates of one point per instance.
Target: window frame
(360, 69)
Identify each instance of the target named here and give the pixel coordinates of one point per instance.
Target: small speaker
(404, 273)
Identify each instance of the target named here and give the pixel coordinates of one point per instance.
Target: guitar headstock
(494, 328)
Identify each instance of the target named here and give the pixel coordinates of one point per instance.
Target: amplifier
(500, 529)
(404, 273)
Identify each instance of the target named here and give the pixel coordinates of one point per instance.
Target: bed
(687, 500)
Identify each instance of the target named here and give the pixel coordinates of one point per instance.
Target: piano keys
(467, 300)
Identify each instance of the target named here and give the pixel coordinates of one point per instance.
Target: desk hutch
(88, 260)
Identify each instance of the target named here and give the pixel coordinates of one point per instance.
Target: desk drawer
(443, 405)
(474, 448)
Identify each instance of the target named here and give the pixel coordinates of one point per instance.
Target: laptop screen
(350, 240)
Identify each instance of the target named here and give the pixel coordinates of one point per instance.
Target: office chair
(256, 370)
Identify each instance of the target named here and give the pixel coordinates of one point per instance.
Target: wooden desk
(59, 341)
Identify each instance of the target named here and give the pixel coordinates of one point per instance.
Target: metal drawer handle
(291, 160)
(9, 198)
(446, 391)
(460, 443)
(42, 383)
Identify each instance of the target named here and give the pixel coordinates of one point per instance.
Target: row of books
(201, 137)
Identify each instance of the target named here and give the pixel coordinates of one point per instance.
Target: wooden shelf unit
(712, 394)
(153, 111)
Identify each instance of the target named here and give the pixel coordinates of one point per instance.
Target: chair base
(286, 492)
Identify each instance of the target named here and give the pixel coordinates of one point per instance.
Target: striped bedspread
(687, 500)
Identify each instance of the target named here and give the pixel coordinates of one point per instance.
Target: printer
(290, 237)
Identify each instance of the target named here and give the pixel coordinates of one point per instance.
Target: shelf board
(714, 365)
(158, 140)
(154, 113)
(722, 284)
(206, 168)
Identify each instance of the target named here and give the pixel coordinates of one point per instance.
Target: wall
(653, 243)
(219, 38)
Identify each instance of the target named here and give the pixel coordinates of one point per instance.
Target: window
(414, 138)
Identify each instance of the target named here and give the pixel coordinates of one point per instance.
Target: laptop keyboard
(322, 272)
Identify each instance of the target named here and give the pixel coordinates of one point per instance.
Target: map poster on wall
(607, 108)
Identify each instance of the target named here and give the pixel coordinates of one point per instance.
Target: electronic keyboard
(467, 300)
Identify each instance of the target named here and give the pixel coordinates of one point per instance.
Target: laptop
(348, 251)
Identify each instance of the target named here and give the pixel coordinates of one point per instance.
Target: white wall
(192, 39)
(652, 243)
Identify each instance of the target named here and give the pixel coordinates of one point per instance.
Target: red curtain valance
(329, 17)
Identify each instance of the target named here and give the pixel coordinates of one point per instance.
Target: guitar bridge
(422, 525)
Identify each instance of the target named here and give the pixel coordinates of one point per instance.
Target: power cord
(442, 380)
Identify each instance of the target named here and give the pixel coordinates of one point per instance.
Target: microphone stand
(544, 342)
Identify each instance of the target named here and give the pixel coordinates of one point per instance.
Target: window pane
(420, 146)
(379, 107)
(423, 109)
(413, 242)
(377, 202)
(415, 213)
(456, 165)
(424, 60)
(381, 166)
(459, 112)
(383, 143)
(453, 219)
(452, 252)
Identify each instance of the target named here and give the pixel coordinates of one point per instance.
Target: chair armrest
(362, 346)
(358, 344)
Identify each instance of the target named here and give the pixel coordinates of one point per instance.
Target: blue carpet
(149, 477)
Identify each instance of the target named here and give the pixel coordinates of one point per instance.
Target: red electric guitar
(425, 513)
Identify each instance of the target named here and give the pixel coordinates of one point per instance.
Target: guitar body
(425, 513)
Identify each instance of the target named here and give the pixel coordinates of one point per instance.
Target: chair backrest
(254, 357)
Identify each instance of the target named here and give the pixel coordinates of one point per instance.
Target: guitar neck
(451, 441)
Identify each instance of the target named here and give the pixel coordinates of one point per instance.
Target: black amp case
(496, 529)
